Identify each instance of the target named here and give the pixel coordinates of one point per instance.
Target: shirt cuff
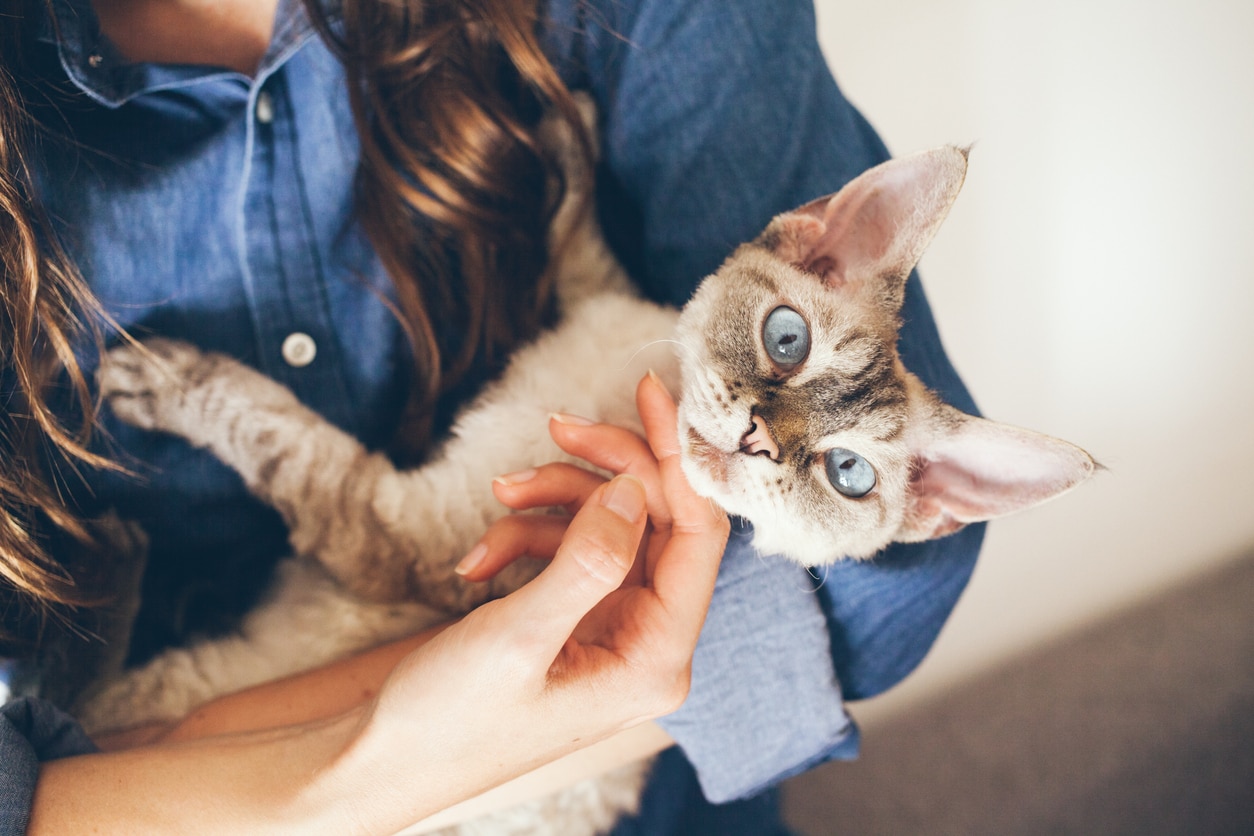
(764, 702)
(31, 731)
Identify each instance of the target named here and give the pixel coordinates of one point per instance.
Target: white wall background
(1094, 281)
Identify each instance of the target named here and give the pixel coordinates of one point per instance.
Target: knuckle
(513, 653)
(676, 692)
(667, 689)
(600, 558)
(509, 528)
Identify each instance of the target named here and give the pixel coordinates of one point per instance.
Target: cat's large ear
(971, 469)
(876, 228)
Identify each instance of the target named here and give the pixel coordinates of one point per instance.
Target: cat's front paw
(148, 385)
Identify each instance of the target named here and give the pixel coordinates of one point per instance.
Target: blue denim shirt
(218, 208)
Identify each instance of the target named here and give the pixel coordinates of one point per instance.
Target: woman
(219, 172)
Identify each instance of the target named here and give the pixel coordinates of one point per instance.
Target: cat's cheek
(706, 468)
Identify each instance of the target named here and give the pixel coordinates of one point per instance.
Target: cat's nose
(759, 440)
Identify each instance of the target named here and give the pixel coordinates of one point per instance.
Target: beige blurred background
(1094, 281)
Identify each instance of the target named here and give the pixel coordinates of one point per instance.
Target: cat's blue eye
(786, 337)
(849, 473)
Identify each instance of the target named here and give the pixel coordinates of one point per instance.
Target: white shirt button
(299, 349)
(265, 108)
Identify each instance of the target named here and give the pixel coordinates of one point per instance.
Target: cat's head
(796, 411)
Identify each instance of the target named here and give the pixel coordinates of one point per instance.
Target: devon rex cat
(795, 412)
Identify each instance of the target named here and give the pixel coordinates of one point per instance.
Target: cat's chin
(805, 547)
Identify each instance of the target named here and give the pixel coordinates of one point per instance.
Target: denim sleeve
(717, 115)
(31, 731)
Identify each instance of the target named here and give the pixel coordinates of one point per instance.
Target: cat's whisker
(687, 348)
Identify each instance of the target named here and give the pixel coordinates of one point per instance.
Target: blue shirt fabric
(215, 207)
(31, 732)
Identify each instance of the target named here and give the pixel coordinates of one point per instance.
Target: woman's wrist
(635, 744)
(362, 787)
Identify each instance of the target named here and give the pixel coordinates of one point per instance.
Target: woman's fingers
(593, 559)
(616, 450)
(559, 485)
(659, 415)
(548, 486)
(593, 553)
(508, 539)
(555, 485)
(683, 573)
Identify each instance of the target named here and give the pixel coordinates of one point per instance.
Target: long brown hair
(451, 190)
(452, 183)
(45, 311)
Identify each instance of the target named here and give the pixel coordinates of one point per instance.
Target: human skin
(217, 33)
(600, 642)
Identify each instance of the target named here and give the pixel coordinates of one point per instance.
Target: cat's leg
(320, 479)
(386, 535)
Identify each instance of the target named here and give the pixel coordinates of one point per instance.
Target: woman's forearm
(317, 694)
(331, 690)
(303, 778)
(259, 782)
(266, 759)
(634, 744)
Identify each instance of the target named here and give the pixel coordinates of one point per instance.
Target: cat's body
(795, 412)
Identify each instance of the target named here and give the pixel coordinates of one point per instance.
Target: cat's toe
(175, 355)
(139, 382)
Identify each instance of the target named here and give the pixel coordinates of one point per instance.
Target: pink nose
(758, 440)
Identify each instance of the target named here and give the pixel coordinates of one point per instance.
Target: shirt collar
(94, 65)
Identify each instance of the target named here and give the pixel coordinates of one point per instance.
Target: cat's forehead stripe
(875, 395)
(751, 273)
(856, 360)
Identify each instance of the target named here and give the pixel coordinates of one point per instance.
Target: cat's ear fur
(869, 235)
(969, 469)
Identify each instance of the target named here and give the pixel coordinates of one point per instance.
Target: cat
(795, 413)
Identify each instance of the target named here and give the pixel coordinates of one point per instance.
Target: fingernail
(625, 497)
(471, 560)
(509, 479)
(658, 381)
(572, 420)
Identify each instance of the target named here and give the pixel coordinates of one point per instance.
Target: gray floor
(1142, 725)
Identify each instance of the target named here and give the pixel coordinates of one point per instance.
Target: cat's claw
(146, 385)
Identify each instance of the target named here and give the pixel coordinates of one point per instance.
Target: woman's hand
(601, 640)
(652, 617)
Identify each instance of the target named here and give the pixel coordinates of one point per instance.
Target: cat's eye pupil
(849, 473)
(786, 337)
